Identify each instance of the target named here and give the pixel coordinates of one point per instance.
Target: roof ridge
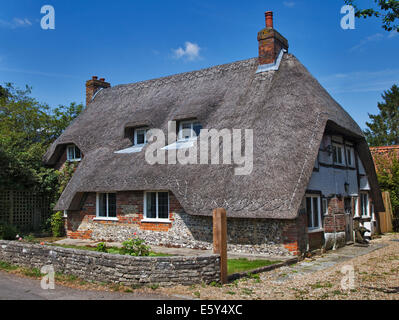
(196, 74)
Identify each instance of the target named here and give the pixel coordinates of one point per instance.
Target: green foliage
(388, 10)
(65, 175)
(27, 128)
(57, 224)
(383, 130)
(29, 238)
(8, 231)
(135, 247)
(388, 179)
(101, 247)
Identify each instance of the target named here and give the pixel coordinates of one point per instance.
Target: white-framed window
(156, 206)
(140, 136)
(313, 212)
(189, 129)
(73, 153)
(338, 154)
(350, 156)
(364, 205)
(106, 206)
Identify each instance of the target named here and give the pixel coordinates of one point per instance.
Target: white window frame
(180, 133)
(351, 150)
(343, 156)
(158, 220)
(135, 137)
(74, 159)
(313, 196)
(107, 217)
(367, 205)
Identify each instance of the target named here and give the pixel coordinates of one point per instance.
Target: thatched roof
(287, 109)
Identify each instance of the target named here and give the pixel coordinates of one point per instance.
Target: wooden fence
(25, 209)
(387, 216)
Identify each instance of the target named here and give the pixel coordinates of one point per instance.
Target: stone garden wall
(113, 268)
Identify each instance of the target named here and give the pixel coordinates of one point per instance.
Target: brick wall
(113, 268)
(244, 235)
(295, 234)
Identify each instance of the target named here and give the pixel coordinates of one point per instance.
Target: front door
(348, 220)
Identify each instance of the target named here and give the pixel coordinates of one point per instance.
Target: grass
(243, 264)
(112, 250)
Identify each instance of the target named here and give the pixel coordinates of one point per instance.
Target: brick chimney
(270, 42)
(93, 86)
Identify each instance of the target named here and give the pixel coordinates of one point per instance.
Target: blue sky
(127, 41)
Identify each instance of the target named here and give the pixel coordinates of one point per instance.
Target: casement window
(156, 206)
(364, 205)
(313, 212)
(73, 153)
(350, 156)
(106, 206)
(189, 130)
(338, 154)
(140, 136)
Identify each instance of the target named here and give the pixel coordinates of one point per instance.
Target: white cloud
(191, 52)
(361, 81)
(373, 38)
(289, 4)
(15, 23)
(393, 34)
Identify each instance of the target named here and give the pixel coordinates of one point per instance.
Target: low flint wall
(114, 268)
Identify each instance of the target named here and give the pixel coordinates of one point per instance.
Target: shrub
(57, 224)
(135, 247)
(30, 238)
(101, 247)
(8, 231)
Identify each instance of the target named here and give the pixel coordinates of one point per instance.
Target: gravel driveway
(376, 276)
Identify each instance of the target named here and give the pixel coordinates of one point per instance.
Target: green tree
(27, 128)
(387, 167)
(388, 10)
(383, 129)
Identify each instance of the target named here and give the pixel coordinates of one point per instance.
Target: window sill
(166, 221)
(105, 219)
(315, 230)
(74, 160)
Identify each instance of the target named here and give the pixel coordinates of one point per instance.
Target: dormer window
(73, 153)
(140, 136)
(189, 130)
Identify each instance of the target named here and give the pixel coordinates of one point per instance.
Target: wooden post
(220, 240)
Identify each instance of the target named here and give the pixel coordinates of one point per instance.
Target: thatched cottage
(312, 169)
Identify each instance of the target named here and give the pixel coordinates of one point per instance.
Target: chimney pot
(270, 42)
(269, 19)
(102, 79)
(95, 78)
